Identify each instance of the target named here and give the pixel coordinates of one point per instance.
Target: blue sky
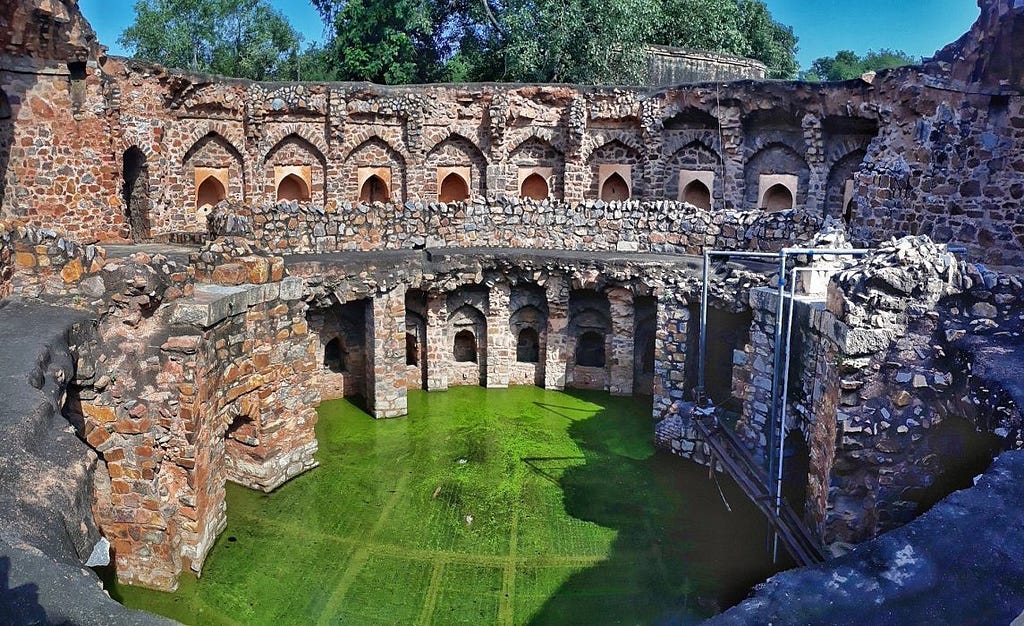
(919, 27)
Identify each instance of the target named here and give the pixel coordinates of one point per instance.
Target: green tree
(847, 64)
(240, 38)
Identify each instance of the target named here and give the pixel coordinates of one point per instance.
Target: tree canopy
(240, 38)
(580, 41)
(847, 64)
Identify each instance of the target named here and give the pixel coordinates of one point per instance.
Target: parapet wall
(663, 227)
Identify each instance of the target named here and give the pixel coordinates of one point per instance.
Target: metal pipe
(773, 410)
(702, 348)
(785, 395)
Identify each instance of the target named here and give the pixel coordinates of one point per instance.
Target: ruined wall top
(990, 55)
(46, 30)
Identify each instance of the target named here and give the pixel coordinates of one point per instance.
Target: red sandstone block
(132, 427)
(97, 437)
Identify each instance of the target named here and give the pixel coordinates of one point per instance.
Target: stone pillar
(385, 355)
(815, 156)
(500, 343)
(733, 184)
(752, 426)
(556, 350)
(620, 371)
(439, 348)
(670, 348)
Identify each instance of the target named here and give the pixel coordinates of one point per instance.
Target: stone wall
(672, 227)
(675, 66)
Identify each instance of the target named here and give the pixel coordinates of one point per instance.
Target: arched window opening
(334, 356)
(697, 194)
(136, 193)
(453, 189)
(528, 346)
(777, 198)
(590, 349)
(291, 188)
(465, 347)
(614, 189)
(374, 190)
(210, 192)
(534, 187)
(412, 349)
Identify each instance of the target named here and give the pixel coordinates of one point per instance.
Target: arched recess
(453, 152)
(615, 153)
(589, 331)
(467, 326)
(534, 187)
(775, 159)
(415, 341)
(374, 189)
(135, 180)
(697, 194)
(293, 155)
(644, 342)
(454, 188)
(213, 156)
(536, 156)
(377, 153)
(615, 188)
(838, 188)
(695, 156)
(209, 193)
(778, 197)
(528, 346)
(464, 349)
(292, 188)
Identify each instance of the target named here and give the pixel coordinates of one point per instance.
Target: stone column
(500, 343)
(815, 155)
(670, 348)
(385, 354)
(439, 348)
(733, 185)
(620, 370)
(556, 349)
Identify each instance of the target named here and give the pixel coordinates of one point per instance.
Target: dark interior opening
(465, 347)
(334, 356)
(796, 463)
(528, 346)
(412, 349)
(590, 349)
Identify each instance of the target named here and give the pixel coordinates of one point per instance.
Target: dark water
(483, 506)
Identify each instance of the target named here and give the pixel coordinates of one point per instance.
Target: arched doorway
(590, 350)
(534, 187)
(528, 346)
(374, 190)
(453, 189)
(697, 194)
(210, 192)
(614, 189)
(777, 198)
(291, 188)
(135, 175)
(464, 349)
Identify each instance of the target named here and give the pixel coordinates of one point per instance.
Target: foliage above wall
(847, 64)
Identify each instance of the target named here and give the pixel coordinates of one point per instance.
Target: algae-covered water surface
(482, 506)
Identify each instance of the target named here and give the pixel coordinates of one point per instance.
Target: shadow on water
(680, 554)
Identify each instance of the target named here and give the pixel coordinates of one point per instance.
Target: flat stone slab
(962, 562)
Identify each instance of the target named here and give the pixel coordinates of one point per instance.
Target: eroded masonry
(214, 257)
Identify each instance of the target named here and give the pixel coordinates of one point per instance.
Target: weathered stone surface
(955, 564)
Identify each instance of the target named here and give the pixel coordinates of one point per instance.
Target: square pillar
(439, 348)
(385, 355)
(620, 372)
(670, 349)
(500, 343)
(556, 349)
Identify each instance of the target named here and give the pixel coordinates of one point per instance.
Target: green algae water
(518, 506)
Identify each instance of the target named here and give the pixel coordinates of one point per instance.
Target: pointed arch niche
(374, 184)
(454, 184)
(211, 187)
(533, 182)
(615, 182)
(695, 187)
(293, 182)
